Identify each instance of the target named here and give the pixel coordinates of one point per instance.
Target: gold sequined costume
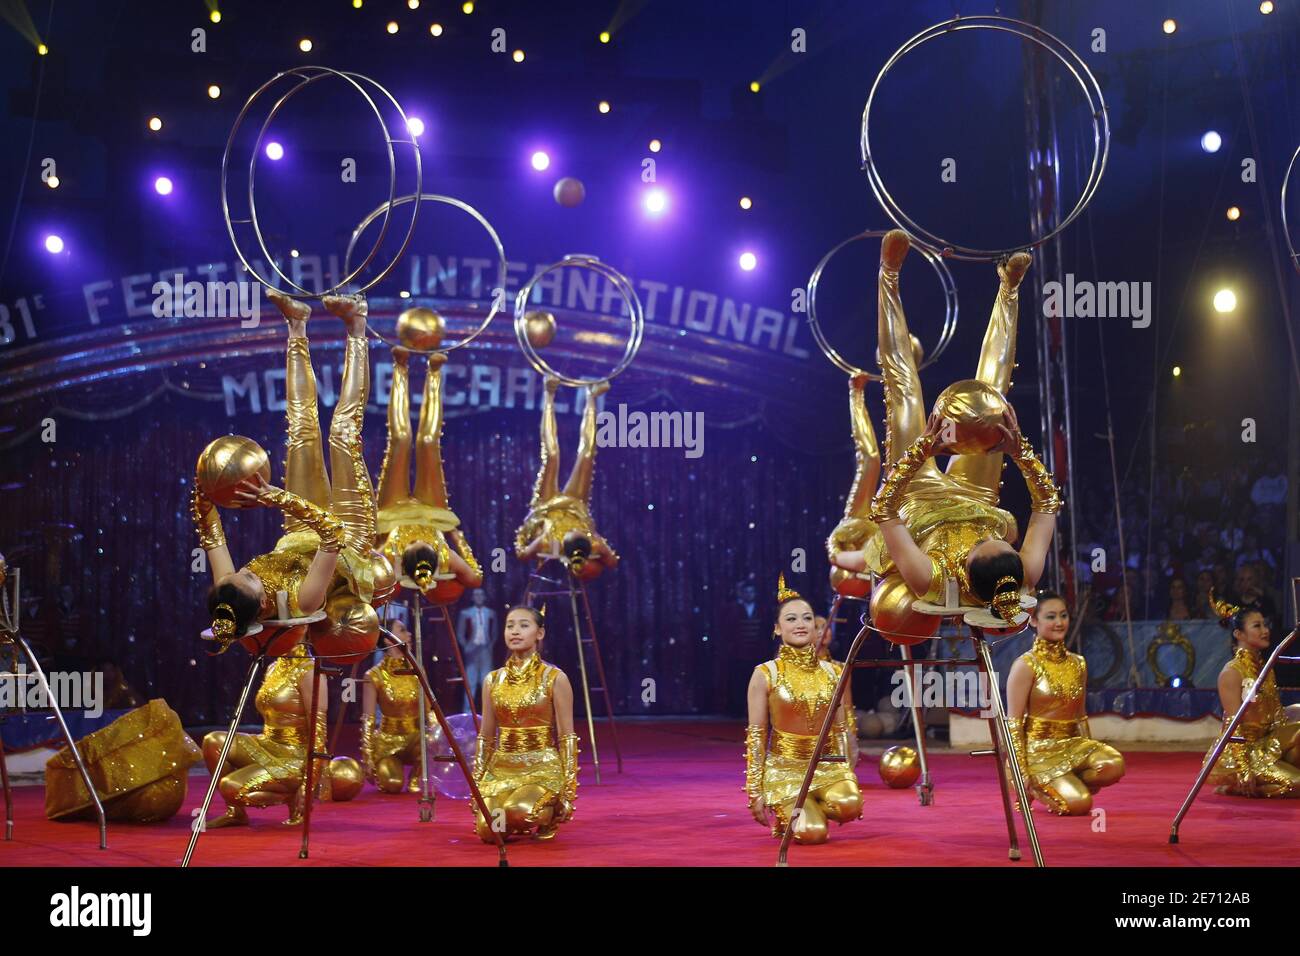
(1065, 765)
(528, 779)
(423, 514)
(554, 512)
(266, 769)
(392, 746)
(1268, 763)
(946, 513)
(139, 764)
(320, 512)
(799, 691)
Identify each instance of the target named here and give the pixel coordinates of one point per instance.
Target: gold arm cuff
(569, 761)
(482, 757)
(754, 755)
(207, 522)
(889, 498)
(1016, 728)
(1043, 493)
(327, 527)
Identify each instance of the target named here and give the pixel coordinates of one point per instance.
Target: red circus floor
(679, 803)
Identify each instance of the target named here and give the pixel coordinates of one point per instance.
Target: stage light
(603, 106)
(1211, 141)
(540, 160)
(356, 4)
(215, 16)
(1225, 300)
(404, 294)
(42, 49)
(52, 182)
(1170, 26)
(604, 36)
(1234, 213)
(274, 150)
(467, 7)
(1266, 7)
(293, 253)
(214, 91)
(655, 145)
(1175, 682)
(753, 86)
(1178, 370)
(155, 123)
(53, 244)
(435, 29)
(748, 261)
(517, 56)
(656, 201)
(392, 26)
(413, 4)
(162, 186)
(746, 202)
(415, 126)
(305, 45)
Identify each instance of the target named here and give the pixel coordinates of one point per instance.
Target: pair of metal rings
(625, 290)
(306, 75)
(949, 302)
(1072, 62)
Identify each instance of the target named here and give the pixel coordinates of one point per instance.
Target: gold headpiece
(784, 593)
(1222, 608)
(423, 575)
(223, 622)
(1006, 603)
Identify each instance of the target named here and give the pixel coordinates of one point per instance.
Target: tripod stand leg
(200, 820)
(1225, 738)
(600, 672)
(9, 795)
(1014, 852)
(67, 735)
(456, 752)
(1003, 737)
(427, 807)
(846, 676)
(586, 685)
(309, 781)
(924, 789)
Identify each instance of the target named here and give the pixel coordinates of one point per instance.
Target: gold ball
(976, 410)
(570, 192)
(849, 584)
(539, 326)
(346, 779)
(225, 463)
(348, 633)
(899, 767)
(420, 329)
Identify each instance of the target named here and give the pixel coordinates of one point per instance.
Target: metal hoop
(624, 287)
(385, 208)
(1072, 62)
(1286, 232)
(307, 75)
(949, 305)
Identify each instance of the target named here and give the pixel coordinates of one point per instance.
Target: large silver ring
(949, 306)
(625, 290)
(498, 291)
(1286, 231)
(307, 75)
(1072, 62)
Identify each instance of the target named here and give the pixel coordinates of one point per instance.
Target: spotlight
(746, 202)
(305, 45)
(1178, 370)
(293, 253)
(655, 145)
(604, 36)
(1211, 141)
(274, 150)
(214, 91)
(53, 244)
(163, 186)
(1225, 300)
(1234, 213)
(748, 261)
(215, 16)
(356, 4)
(1169, 26)
(392, 26)
(603, 106)
(518, 56)
(656, 201)
(155, 123)
(415, 126)
(435, 29)
(467, 7)
(541, 160)
(1266, 7)
(52, 182)
(413, 4)
(753, 86)
(42, 49)
(404, 294)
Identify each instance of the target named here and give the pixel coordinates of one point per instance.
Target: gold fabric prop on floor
(139, 764)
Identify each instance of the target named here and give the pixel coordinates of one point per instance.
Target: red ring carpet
(679, 803)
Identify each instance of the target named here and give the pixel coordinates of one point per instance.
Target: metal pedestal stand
(9, 622)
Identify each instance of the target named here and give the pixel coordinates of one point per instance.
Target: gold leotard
(395, 743)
